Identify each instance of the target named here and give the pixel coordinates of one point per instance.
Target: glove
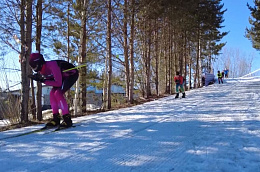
(49, 78)
(37, 77)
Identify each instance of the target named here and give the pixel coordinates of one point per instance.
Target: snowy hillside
(216, 128)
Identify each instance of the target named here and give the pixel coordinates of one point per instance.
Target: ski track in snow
(216, 128)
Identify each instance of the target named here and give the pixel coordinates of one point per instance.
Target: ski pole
(77, 67)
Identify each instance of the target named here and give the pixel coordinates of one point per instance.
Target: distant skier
(178, 79)
(51, 73)
(219, 77)
(223, 74)
(226, 72)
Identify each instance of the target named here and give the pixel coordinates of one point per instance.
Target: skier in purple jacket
(61, 76)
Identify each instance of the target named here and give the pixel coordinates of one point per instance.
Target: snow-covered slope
(216, 128)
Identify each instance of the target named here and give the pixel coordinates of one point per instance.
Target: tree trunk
(131, 88)
(156, 59)
(33, 107)
(171, 59)
(148, 63)
(185, 59)
(68, 32)
(105, 84)
(26, 31)
(126, 50)
(190, 67)
(38, 48)
(197, 61)
(109, 53)
(76, 98)
(198, 68)
(69, 98)
(181, 52)
(82, 60)
(165, 56)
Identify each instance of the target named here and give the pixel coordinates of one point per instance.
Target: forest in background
(139, 44)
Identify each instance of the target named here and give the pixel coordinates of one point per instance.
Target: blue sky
(236, 20)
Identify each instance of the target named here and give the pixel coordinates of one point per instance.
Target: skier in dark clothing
(220, 77)
(223, 74)
(61, 75)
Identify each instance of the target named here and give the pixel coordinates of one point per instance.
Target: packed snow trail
(216, 128)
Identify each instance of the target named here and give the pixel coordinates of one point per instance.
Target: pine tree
(253, 33)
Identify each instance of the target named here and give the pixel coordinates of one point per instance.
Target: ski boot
(183, 95)
(67, 122)
(55, 121)
(177, 95)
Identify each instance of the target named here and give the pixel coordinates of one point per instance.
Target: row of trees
(135, 43)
